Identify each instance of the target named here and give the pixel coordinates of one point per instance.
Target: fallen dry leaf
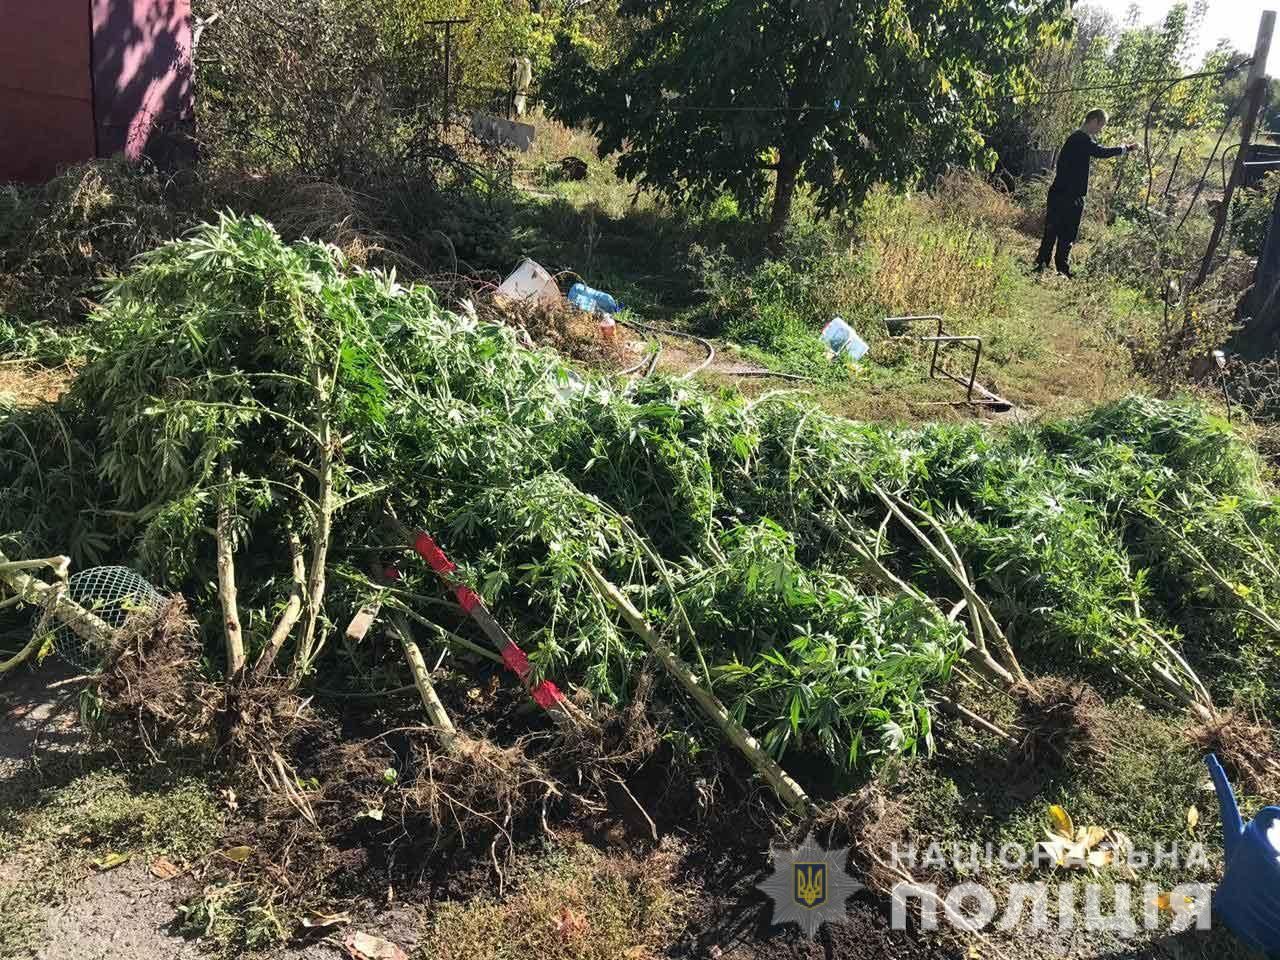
(237, 854)
(1091, 837)
(164, 868)
(1193, 818)
(112, 860)
(315, 919)
(1071, 846)
(1062, 825)
(1100, 858)
(363, 946)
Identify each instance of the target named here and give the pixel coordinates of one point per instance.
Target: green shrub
(779, 306)
(60, 241)
(1251, 214)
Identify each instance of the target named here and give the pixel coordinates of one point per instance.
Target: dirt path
(121, 914)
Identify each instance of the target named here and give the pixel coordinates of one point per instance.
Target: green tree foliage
(719, 97)
(338, 88)
(1112, 65)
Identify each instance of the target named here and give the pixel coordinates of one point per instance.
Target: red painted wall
(141, 72)
(46, 101)
(85, 78)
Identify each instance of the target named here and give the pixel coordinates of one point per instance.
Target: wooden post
(1255, 95)
(1264, 299)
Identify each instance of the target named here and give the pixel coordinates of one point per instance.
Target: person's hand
(1131, 147)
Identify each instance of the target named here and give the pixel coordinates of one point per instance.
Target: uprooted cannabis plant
(257, 409)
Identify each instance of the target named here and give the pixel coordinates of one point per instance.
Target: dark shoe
(1040, 268)
(1066, 272)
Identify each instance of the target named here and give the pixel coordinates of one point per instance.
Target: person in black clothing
(1066, 195)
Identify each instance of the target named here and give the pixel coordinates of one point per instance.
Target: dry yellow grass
(28, 384)
(584, 905)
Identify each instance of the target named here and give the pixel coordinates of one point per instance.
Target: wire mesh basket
(110, 593)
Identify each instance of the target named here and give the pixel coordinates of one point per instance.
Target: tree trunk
(783, 193)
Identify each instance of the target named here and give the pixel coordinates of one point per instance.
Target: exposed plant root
(872, 826)
(1248, 748)
(150, 681)
(1061, 719)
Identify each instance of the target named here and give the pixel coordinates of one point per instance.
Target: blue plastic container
(1248, 898)
(842, 338)
(592, 300)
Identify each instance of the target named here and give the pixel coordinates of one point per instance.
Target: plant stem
(958, 576)
(308, 648)
(292, 611)
(957, 710)
(422, 680)
(448, 636)
(788, 791)
(227, 580)
(83, 623)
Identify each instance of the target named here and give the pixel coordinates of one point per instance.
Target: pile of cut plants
(348, 483)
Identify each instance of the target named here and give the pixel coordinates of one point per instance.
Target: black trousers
(1061, 226)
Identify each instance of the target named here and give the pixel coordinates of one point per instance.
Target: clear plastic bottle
(842, 338)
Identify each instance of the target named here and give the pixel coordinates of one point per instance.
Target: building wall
(141, 73)
(46, 100)
(85, 78)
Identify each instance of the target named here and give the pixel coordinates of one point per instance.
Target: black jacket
(1073, 164)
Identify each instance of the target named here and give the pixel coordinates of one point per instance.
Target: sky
(1237, 20)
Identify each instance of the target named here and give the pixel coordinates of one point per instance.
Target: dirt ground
(127, 912)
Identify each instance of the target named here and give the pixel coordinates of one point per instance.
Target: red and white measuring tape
(545, 693)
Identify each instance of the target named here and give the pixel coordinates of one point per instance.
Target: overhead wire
(1030, 95)
(1231, 119)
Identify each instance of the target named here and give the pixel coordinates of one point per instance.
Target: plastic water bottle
(591, 300)
(842, 338)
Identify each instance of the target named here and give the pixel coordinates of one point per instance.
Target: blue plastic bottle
(591, 300)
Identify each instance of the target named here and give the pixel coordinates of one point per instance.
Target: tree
(716, 96)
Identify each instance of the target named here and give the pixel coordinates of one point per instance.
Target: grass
(57, 821)
(962, 250)
(576, 904)
(1134, 771)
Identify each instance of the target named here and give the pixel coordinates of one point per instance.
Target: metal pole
(1256, 90)
(448, 70)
